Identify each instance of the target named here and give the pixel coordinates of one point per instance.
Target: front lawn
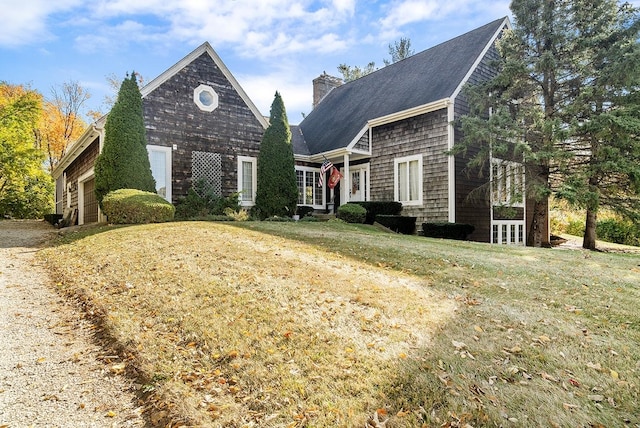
(327, 324)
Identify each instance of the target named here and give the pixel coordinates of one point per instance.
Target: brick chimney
(322, 85)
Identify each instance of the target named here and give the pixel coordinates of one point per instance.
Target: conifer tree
(564, 102)
(277, 191)
(603, 162)
(124, 162)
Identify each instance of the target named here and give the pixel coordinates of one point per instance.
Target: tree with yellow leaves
(26, 190)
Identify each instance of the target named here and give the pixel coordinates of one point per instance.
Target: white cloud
(296, 91)
(25, 21)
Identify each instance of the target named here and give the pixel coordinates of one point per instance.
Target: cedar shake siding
(172, 118)
(81, 165)
(472, 185)
(425, 135)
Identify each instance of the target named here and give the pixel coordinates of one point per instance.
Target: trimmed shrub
(201, 201)
(397, 223)
(375, 208)
(124, 161)
(457, 231)
(131, 206)
(304, 211)
(308, 218)
(277, 192)
(352, 213)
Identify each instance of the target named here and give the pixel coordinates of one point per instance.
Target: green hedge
(352, 213)
(130, 206)
(304, 211)
(458, 231)
(397, 223)
(618, 231)
(375, 208)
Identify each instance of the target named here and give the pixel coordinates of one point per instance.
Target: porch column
(346, 181)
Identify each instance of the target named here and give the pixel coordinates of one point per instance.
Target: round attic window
(205, 98)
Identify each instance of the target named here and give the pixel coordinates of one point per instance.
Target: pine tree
(603, 168)
(124, 162)
(277, 192)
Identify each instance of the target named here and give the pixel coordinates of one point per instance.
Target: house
(389, 134)
(200, 124)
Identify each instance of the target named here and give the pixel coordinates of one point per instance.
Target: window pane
(300, 181)
(414, 181)
(308, 195)
(158, 161)
(402, 182)
(318, 191)
(247, 181)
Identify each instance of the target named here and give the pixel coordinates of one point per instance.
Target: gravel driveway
(52, 373)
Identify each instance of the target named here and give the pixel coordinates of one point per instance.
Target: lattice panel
(207, 166)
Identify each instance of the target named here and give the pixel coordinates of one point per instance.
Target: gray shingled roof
(425, 77)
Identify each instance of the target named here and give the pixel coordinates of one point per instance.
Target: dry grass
(330, 324)
(238, 328)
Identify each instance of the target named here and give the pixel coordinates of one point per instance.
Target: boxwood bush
(445, 230)
(398, 223)
(375, 208)
(131, 206)
(352, 213)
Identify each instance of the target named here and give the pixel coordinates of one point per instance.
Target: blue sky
(268, 45)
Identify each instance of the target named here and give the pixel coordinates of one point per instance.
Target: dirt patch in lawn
(230, 327)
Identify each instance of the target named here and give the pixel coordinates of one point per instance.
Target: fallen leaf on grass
(614, 374)
(596, 397)
(595, 366)
(548, 377)
(568, 406)
(111, 414)
(117, 368)
(458, 345)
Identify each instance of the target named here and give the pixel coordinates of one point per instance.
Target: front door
(359, 183)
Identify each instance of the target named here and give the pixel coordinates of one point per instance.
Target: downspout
(452, 162)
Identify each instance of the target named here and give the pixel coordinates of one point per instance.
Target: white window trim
(306, 169)
(511, 168)
(508, 239)
(396, 193)
(254, 179)
(168, 151)
(196, 98)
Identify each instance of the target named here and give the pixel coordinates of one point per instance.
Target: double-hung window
(408, 180)
(247, 180)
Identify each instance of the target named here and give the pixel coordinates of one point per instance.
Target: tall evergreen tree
(527, 101)
(277, 192)
(604, 169)
(565, 102)
(124, 162)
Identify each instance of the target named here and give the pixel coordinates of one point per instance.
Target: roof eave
(411, 112)
(87, 137)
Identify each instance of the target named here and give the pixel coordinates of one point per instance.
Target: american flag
(326, 166)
